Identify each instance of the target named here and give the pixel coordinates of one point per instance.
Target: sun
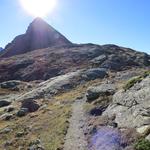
(38, 8)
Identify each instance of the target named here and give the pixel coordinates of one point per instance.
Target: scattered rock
(5, 130)
(102, 90)
(6, 117)
(4, 103)
(10, 85)
(22, 112)
(36, 145)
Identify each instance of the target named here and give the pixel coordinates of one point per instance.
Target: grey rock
(4, 103)
(95, 73)
(52, 86)
(101, 90)
(131, 107)
(22, 112)
(100, 59)
(126, 75)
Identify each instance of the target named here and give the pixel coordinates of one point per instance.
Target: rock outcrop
(102, 90)
(131, 107)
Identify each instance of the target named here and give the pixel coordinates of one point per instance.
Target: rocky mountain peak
(39, 25)
(1, 48)
(39, 35)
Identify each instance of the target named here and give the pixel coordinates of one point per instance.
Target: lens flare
(38, 8)
(105, 139)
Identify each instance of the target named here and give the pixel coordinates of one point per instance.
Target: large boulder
(101, 90)
(131, 107)
(30, 104)
(94, 73)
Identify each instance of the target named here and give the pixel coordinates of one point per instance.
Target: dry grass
(49, 124)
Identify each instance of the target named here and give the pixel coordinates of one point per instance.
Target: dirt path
(75, 139)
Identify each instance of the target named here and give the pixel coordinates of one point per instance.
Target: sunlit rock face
(131, 107)
(38, 35)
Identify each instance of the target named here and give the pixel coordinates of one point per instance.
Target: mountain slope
(38, 35)
(43, 64)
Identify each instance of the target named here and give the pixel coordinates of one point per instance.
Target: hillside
(46, 63)
(56, 95)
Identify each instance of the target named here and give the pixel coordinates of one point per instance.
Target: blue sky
(122, 22)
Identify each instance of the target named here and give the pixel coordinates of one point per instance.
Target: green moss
(142, 144)
(135, 80)
(146, 73)
(131, 82)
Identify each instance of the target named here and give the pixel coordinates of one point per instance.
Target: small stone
(36, 145)
(5, 131)
(20, 134)
(22, 112)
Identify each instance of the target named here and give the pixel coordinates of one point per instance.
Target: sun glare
(38, 8)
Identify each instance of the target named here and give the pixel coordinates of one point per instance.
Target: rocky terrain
(56, 95)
